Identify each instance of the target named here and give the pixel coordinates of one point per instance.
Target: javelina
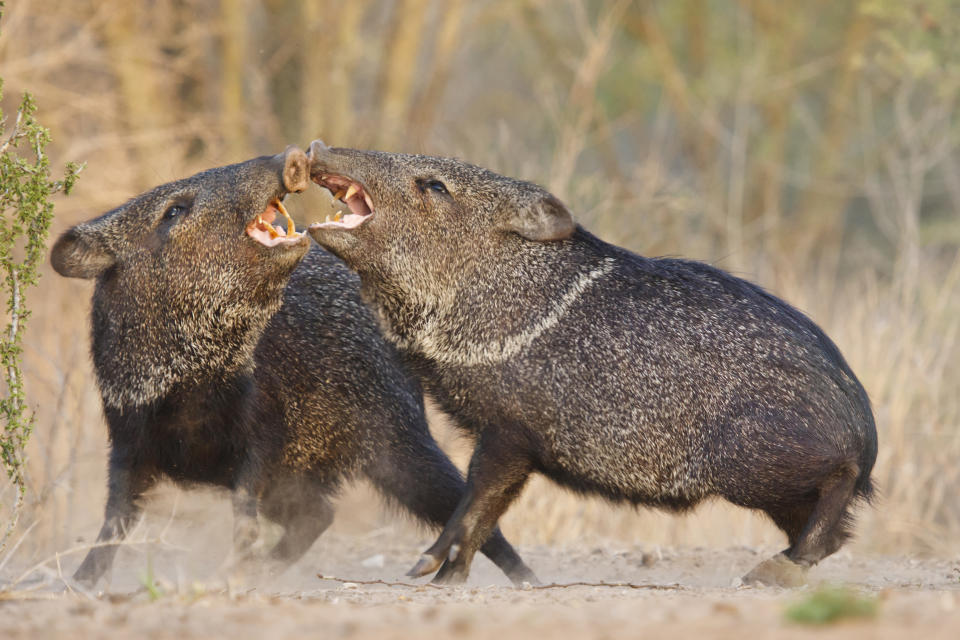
(229, 353)
(652, 381)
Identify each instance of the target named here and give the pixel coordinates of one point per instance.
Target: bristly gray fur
(226, 362)
(654, 381)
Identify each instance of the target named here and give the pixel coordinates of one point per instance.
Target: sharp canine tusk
(352, 191)
(339, 195)
(369, 202)
(337, 216)
(291, 227)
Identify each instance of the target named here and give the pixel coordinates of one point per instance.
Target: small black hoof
(427, 564)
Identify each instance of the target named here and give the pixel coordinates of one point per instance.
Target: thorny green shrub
(25, 191)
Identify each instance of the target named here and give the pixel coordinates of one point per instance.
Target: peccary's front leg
(246, 529)
(497, 474)
(124, 489)
(245, 564)
(245, 498)
(414, 471)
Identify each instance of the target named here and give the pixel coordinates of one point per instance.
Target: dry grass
(686, 168)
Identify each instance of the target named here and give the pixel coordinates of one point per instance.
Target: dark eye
(434, 185)
(173, 211)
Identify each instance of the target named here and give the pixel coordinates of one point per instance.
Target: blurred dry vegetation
(813, 147)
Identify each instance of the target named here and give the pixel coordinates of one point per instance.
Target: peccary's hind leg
(824, 532)
(415, 473)
(793, 519)
(828, 527)
(304, 513)
(298, 505)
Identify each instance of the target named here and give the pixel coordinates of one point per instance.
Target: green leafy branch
(27, 212)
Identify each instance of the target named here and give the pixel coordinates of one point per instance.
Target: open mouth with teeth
(353, 195)
(263, 230)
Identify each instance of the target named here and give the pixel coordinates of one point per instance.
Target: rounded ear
(78, 253)
(542, 220)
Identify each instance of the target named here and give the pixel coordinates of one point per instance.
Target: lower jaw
(332, 238)
(290, 252)
(278, 242)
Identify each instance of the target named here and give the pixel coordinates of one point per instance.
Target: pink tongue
(358, 206)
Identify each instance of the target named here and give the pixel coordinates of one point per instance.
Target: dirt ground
(678, 592)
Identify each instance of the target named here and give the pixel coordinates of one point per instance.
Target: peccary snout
(296, 169)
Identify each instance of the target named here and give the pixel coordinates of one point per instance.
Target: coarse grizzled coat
(230, 353)
(652, 381)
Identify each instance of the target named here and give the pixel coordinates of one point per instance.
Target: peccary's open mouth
(263, 230)
(352, 194)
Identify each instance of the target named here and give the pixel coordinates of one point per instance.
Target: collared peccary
(229, 353)
(651, 381)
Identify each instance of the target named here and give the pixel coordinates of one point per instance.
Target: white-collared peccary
(229, 352)
(656, 382)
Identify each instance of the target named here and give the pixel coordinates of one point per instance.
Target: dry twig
(526, 587)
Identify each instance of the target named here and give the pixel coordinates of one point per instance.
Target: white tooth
(328, 219)
(369, 202)
(352, 191)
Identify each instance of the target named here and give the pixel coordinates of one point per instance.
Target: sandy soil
(678, 592)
